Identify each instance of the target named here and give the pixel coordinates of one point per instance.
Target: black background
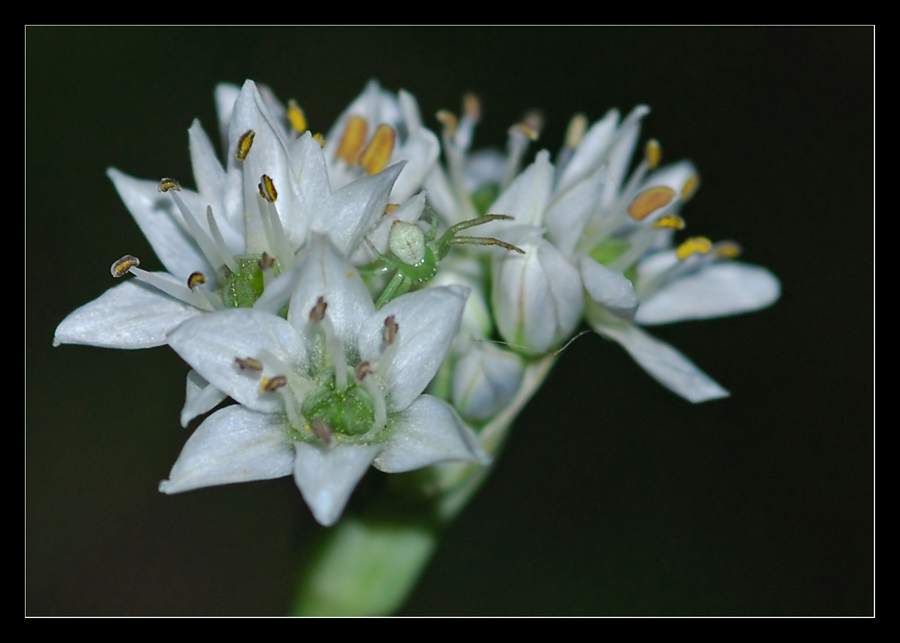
(613, 496)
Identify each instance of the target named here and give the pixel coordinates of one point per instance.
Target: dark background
(613, 496)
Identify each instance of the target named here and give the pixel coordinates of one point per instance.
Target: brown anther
(123, 265)
(390, 330)
(168, 184)
(249, 364)
(270, 385)
(266, 262)
(317, 312)
(244, 145)
(196, 279)
(322, 431)
(361, 370)
(267, 189)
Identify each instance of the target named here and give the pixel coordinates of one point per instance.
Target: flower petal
(199, 397)
(426, 433)
(130, 315)
(717, 290)
(232, 445)
(670, 368)
(327, 477)
(527, 196)
(608, 287)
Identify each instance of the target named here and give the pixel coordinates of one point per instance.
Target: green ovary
(348, 412)
(244, 287)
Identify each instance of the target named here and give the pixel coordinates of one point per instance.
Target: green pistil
(484, 197)
(244, 287)
(349, 412)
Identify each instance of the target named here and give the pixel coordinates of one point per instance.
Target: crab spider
(416, 253)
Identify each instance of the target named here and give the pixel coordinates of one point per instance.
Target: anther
(244, 145)
(670, 221)
(390, 330)
(317, 312)
(296, 117)
(575, 131)
(649, 201)
(690, 186)
(354, 138)
(472, 107)
(694, 245)
(378, 152)
(530, 132)
(249, 364)
(320, 138)
(123, 265)
(390, 207)
(266, 262)
(169, 184)
(322, 431)
(361, 370)
(653, 153)
(196, 279)
(727, 249)
(272, 384)
(448, 120)
(267, 189)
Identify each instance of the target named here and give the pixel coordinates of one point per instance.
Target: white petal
(485, 379)
(212, 343)
(571, 210)
(527, 196)
(608, 287)
(199, 397)
(130, 315)
(327, 477)
(426, 433)
(420, 151)
(428, 320)
(591, 152)
(232, 445)
(717, 290)
(326, 274)
(670, 368)
(160, 222)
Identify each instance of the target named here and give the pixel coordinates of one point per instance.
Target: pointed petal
(212, 343)
(199, 397)
(667, 365)
(485, 379)
(608, 287)
(527, 196)
(130, 315)
(420, 151)
(591, 152)
(570, 211)
(717, 290)
(160, 222)
(326, 274)
(327, 477)
(428, 320)
(426, 433)
(232, 445)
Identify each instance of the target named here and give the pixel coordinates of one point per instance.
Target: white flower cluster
(307, 282)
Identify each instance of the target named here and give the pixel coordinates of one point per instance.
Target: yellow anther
(318, 136)
(727, 249)
(472, 106)
(670, 221)
(649, 201)
(249, 364)
(690, 186)
(354, 139)
(524, 128)
(694, 245)
(448, 120)
(653, 153)
(272, 384)
(575, 131)
(123, 265)
(267, 189)
(296, 117)
(169, 184)
(378, 152)
(390, 207)
(196, 279)
(244, 145)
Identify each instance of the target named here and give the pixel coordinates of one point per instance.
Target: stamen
(250, 364)
(471, 107)
(727, 250)
(317, 312)
(670, 221)
(196, 279)
(296, 117)
(390, 207)
(690, 187)
(219, 240)
(267, 189)
(575, 132)
(266, 262)
(354, 138)
(168, 184)
(208, 247)
(320, 138)
(448, 120)
(124, 265)
(244, 145)
(694, 245)
(390, 330)
(525, 129)
(378, 152)
(380, 404)
(272, 384)
(361, 370)
(653, 153)
(322, 431)
(649, 201)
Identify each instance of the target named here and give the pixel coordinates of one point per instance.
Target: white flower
(327, 392)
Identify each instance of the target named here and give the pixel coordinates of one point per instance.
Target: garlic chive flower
(327, 392)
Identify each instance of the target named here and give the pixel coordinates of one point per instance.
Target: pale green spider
(417, 253)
